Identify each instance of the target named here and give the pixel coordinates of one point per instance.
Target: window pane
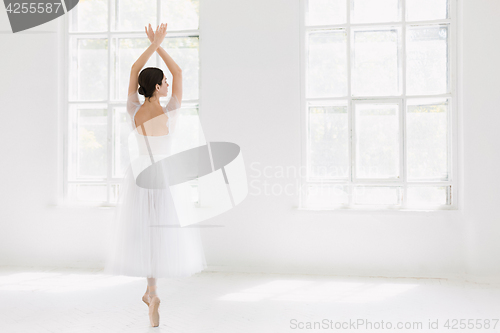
(327, 148)
(427, 60)
(181, 14)
(88, 192)
(370, 11)
(375, 65)
(185, 52)
(89, 69)
(324, 12)
(90, 143)
(133, 15)
(89, 15)
(128, 50)
(121, 131)
(326, 195)
(421, 10)
(376, 195)
(426, 132)
(377, 140)
(427, 196)
(327, 64)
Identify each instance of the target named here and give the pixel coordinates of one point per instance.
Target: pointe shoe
(146, 298)
(154, 316)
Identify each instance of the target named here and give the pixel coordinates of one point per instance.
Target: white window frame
(454, 78)
(66, 103)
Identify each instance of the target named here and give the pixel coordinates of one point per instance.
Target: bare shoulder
(144, 114)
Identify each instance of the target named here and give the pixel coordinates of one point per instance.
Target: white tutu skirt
(147, 239)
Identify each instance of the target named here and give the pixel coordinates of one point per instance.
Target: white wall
(250, 88)
(481, 119)
(33, 230)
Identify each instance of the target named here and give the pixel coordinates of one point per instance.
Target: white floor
(41, 301)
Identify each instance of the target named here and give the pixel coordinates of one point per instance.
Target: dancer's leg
(152, 286)
(154, 316)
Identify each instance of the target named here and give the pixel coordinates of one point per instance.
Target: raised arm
(171, 65)
(176, 73)
(133, 84)
(161, 31)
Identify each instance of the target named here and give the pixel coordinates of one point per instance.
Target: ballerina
(142, 245)
(149, 110)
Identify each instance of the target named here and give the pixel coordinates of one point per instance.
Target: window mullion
(158, 20)
(109, 154)
(65, 115)
(350, 190)
(303, 128)
(109, 116)
(452, 103)
(375, 24)
(403, 157)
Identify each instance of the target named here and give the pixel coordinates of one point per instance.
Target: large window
(105, 37)
(379, 104)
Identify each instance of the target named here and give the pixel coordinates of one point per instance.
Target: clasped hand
(158, 36)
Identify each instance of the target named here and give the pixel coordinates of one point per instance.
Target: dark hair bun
(141, 91)
(148, 79)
